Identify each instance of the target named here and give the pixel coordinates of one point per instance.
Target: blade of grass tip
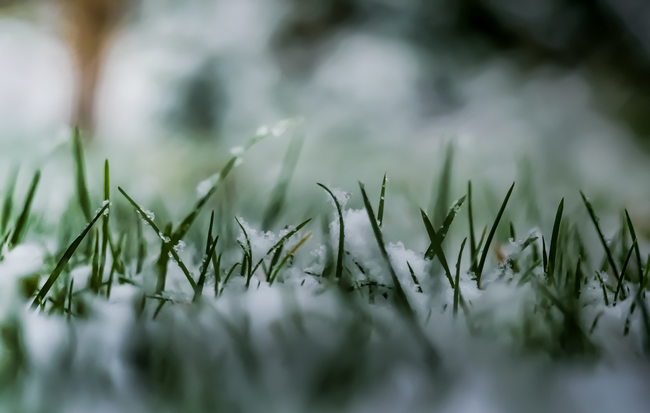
(215, 182)
(457, 286)
(442, 232)
(204, 270)
(554, 240)
(54, 275)
(225, 281)
(341, 251)
(21, 222)
(623, 270)
(488, 241)
(382, 197)
(594, 219)
(80, 174)
(578, 279)
(435, 247)
(414, 278)
(602, 285)
(8, 202)
(290, 254)
(164, 239)
(637, 253)
(472, 239)
(513, 234)
(279, 192)
(287, 236)
(217, 274)
(403, 304)
(249, 249)
(444, 188)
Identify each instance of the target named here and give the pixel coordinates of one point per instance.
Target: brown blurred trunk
(90, 25)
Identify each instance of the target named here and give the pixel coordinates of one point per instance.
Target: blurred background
(164, 88)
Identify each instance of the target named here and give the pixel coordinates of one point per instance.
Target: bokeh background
(164, 88)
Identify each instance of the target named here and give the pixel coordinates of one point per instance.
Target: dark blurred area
(607, 42)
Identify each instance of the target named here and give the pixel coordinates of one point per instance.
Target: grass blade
(402, 301)
(204, 270)
(279, 192)
(165, 240)
(623, 270)
(382, 197)
(457, 286)
(488, 241)
(339, 257)
(637, 253)
(290, 254)
(80, 174)
(21, 222)
(8, 202)
(594, 219)
(414, 278)
(550, 270)
(442, 233)
(54, 275)
(444, 188)
(435, 246)
(287, 236)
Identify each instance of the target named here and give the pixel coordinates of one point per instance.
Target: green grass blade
(414, 278)
(286, 257)
(54, 275)
(382, 197)
(402, 301)
(436, 247)
(287, 236)
(488, 241)
(95, 280)
(225, 281)
(444, 229)
(164, 239)
(554, 239)
(474, 263)
(444, 188)
(21, 222)
(163, 260)
(204, 270)
(80, 174)
(623, 270)
(8, 201)
(341, 251)
(217, 274)
(472, 238)
(637, 253)
(279, 192)
(216, 181)
(594, 219)
(457, 286)
(105, 219)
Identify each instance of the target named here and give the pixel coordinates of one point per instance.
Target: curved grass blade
(21, 222)
(457, 286)
(550, 269)
(54, 275)
(488, 241)
(402, 302)
(8, 202)
(382, 197)
(339, 257)
(435, 246)
(594, 219)
(80, 174)
(165, 240)
(290, 254)
(225, 281)
(623, 270)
